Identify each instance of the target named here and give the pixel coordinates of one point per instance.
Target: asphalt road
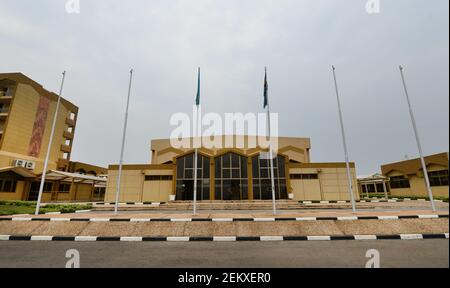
(351, 254)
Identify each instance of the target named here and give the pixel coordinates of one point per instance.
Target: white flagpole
(272, 174)
(341, 118)
(195, 163)
(196, 128)
(44, 173)
(419, 145)
(116, 204)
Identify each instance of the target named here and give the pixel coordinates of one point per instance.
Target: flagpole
(419, 145)
(44, 173)
(272, 173)
(197, 112)
(119, 178)
(341, 118)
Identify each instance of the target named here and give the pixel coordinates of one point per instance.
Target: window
(380, 188)
(64, 188)
(158, 178)
(399, 182)
(231, 173)
(262, 183)
(8, 186)
(438, 178)
(304, 176)
(48, 187)
(185, 177)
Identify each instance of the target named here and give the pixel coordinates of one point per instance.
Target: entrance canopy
(374, 178)
(25, 173)
(75, 178)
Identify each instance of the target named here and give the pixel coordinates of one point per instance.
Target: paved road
(415, 253)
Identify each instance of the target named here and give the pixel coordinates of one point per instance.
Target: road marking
(388, 217)
(178, 239)
(85, 239)
(21, 219)
(264, 219)
(131, 239)
(224, 239)
(319, 238)
(428, 216)
(411, 237)
(4, 237)
(41, 238)
(365, 237)
(272, 238)
(347, 218)
(181, 220)
(99, 219)
(60, 220)
(222, 219)
(140, 220)
(307, 219)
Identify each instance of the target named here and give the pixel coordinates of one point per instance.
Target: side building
(406, 178)
(26, 117)
(231, 174)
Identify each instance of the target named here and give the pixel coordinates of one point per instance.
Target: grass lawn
(23, 207)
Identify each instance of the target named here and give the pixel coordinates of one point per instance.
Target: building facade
(26, 118)
(373, 185)
(406, 178)
(231, 174)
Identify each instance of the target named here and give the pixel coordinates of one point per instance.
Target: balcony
(70, 122)
(68, 135)
(63, 163)
(66, 148)
(5, 99)
(4, 112)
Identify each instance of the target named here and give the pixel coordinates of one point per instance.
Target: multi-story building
(26, 117)
(232, 174)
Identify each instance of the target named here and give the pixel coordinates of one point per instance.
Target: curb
(347, 218)
(224, 239)
(371, 200)
(76, 212)
(375, 200)
(130, 203)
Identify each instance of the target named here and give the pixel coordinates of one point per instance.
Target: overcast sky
(166, 40)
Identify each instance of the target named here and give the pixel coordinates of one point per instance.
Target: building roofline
(23, 79)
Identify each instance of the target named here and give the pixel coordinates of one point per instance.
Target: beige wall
(418, 187)
(332, 185)
(134, 188)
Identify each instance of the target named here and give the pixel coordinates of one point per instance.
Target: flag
(266, 91)
(197, 100)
